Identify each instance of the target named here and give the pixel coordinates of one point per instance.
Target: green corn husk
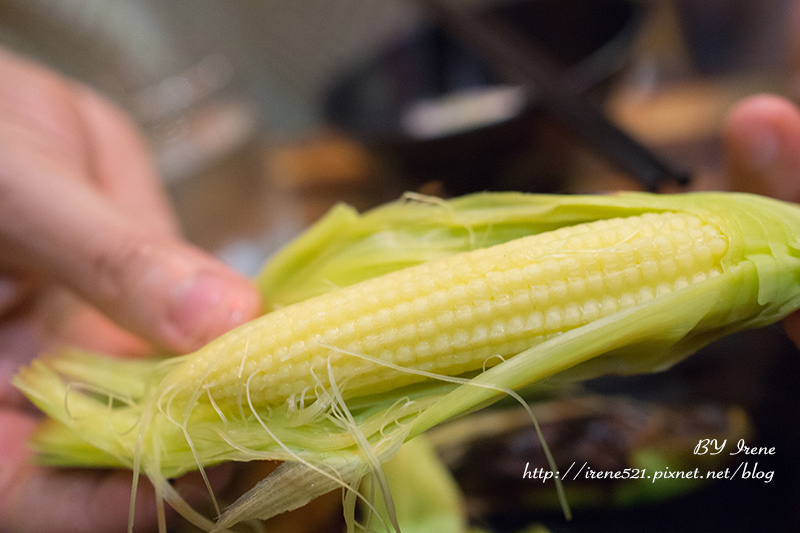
(426, 497)
(102, 412)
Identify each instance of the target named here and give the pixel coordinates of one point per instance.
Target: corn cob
(495, 291)
(462, 312)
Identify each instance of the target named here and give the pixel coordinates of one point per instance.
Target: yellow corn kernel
(629, 283)
(455, 315)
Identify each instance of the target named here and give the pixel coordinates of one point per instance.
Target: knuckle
(120, 268)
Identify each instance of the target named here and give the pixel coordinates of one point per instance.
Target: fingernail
(207, 306)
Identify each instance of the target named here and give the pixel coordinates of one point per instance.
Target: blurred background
(363, 99)
(262, 114)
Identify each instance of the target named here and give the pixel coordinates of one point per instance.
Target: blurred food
(489, 452)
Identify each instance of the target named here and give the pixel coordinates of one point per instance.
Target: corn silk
(313, 407)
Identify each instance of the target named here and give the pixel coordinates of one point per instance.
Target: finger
(50, 120)
(762, 147)
(120, 163)
(40, 499)
(13, 291)
(152, 284)
(54, 221)
(37, 498)
(791, 325)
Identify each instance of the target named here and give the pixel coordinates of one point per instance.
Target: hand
(89, 255)
(762, 151)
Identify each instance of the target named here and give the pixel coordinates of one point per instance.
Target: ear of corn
(388, 323)
(347, 247)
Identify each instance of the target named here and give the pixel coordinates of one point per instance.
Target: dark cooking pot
(435, 111)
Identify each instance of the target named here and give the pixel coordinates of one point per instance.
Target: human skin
(761, 139)
(90, 255)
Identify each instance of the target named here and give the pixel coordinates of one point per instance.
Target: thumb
(762, 150)
(164, 290)
(149, 282)
(762, 147)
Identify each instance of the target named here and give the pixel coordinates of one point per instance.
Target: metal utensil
(522, 62)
